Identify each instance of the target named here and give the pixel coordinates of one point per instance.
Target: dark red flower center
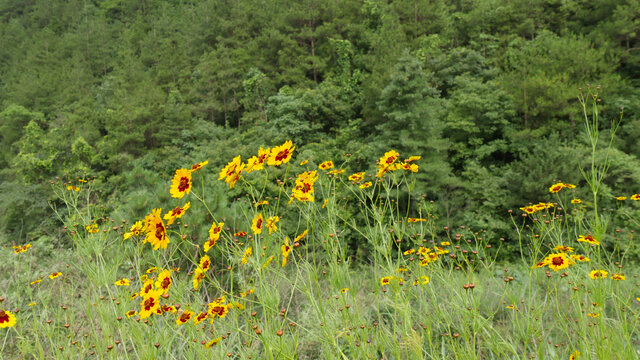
(282, 155)
(259, 224)
(205, 264)
(262, 158)
(176, 211)
(166, 282)
(4, 317)
(184, 184)
(149, 303)
(219, 310)
(185, 317)
(557, 261)
(390, 159)
(159, 231)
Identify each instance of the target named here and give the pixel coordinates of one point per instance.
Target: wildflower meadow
(272, 276)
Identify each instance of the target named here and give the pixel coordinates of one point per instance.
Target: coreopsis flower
(564, 249)
(412, 159)
(580, 258)
(7, 319)
(301, 236)
(168, 309)
(635, 197)
(218, 308)
(199, 166)
(82, 180)
(35, 281)
(423, 251)
(407, 166)
(156, 231)
(286, 251)
(256, 163)
(184, 317)
(133, 296)
(556, 187)
(366, 185)
(540, 264)
(621, 198)
(569, 186)
(281, 154)
(163, 282)
(336, 172)
(212, 342)
(147, 288)
(205, 263)
(303, 190)
(231, 173)
(92, 228)
(409, 252)
(593, 315)
(240, 234)
(263, 202)
(245, 257)
(151, 270)
(618, 277)
(326, 165)
(424, 279)
(445, 243)
(198, 276)
(33, 303)
(257, 224)
(324, 203)
(357, 177)
(412, 220)
(55, 275)
(271, 224)
(386, 161)
(131, 313)
(528, 209)
(149, 305)
(176, 213)
(198, 319)
(558, 261)
(575, 355)
(214, 234)
(122, 282)
(134, 230)
(576, 201)
(386, 280)
(304, 162)
(20, 249)
(268, 261)
(181, 183)
(73, 188)
(588, 239)
(344, 290)
(598, 274)
(441, 251)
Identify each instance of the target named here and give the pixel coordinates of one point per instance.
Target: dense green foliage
(130, 90)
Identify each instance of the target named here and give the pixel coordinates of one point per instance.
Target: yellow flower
(528, 209)
(575, 355)
(35, 281)
(55, 275)
(386, 280)
(366, 185)
(245, 256)
(336, 172)
(286, 251)
(579, 258)
(324, 203)
(181, 183)
(131, 313)
(564, 249)
(385, 162)
(214, 234)
(558, 261)
(149, 306)
(164, 281)
(198, 276)
(304, 162)
(156, 231)
(635, 197)
(359, 176)
(588, 239)
(618, 277)
(412, 220)
(134, 230)
(326, 165)
(598, 274)
(176, 213)
(569, 186)
(269, 260)
(212, 342)
(263, 202)
(301, 236)
(205, 263)
(7, 319)
(256, 163)
(122, 282)
(576, 201)
(303, 190)
(198, 319)
(256, 224)
(556, 187)
(344, 290)
(593, 315)
(184, 317)
(425, 279)
(199, 166)
(74, 188)
(281, 154)
(621, 198)
(271, 224)
(412, 159)
(231, 172)
(92, 228)
(409, 252)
